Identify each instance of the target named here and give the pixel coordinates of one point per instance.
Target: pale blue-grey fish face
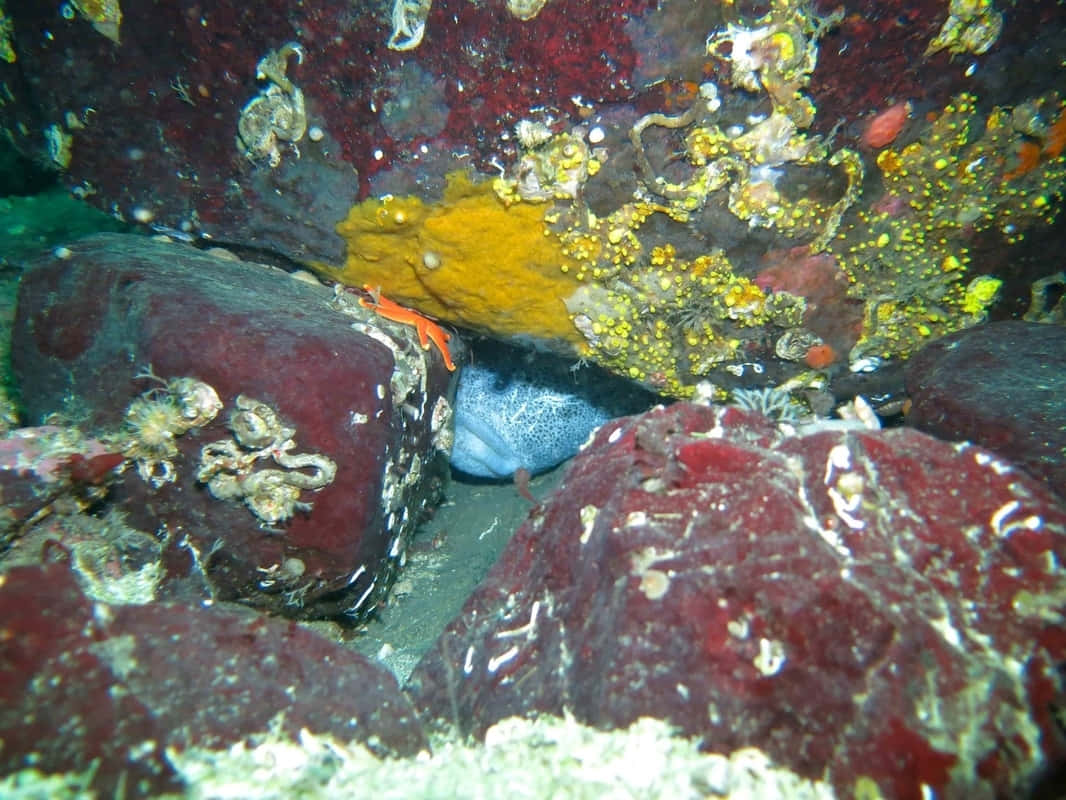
(507, 422)
(479, 450)
(520, 410)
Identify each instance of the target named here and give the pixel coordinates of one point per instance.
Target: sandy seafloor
(450, 554)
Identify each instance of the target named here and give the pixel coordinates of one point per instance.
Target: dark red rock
(119, 685)
(877, 55)
(1000, 386)
(90, 324)
(40, 465)
(858, 604)
(153, 119)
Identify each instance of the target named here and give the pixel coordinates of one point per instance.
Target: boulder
(106, 691)
(1000, 386)
(878, 609)
(281, 440)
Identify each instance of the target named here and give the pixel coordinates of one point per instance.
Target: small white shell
(866, 364)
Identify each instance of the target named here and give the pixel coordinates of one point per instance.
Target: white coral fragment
(547, 757)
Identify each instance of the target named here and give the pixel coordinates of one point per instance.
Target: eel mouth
(480, 451)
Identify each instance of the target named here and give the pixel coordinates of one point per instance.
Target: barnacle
(409, 19)
(59, 143)
(549, 167)
(104, 15)
(197, 401)
(795, 343)
(1048, 300)
(972, 26)
(525, 9)
(776, 53)
(408, 23)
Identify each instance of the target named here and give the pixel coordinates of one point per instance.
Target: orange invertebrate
(428, 330)
(1028, 156)
(820, 356)
(1055, 142)
(1030, 153)
(883, 128)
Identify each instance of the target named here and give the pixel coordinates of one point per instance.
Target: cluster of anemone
(157, 417)
(771, 402)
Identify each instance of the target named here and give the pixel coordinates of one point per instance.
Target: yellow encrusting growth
(7, 34)
(468, 259)
(643, 288)
(670, 324)
(908, 255)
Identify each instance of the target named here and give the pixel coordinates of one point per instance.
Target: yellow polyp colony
(980, 292)
(961, 170)
(673, 322)
(495, 268)
(907, 256)
(602, 247)
(524, 256)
